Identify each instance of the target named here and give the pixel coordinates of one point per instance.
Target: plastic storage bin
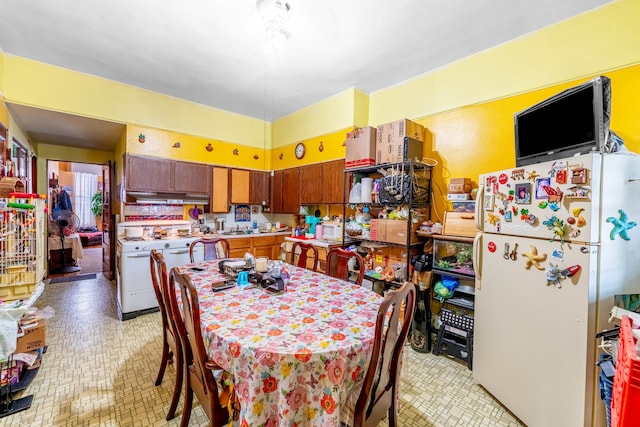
(625, 399)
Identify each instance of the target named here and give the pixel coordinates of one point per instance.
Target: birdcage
(22, 245)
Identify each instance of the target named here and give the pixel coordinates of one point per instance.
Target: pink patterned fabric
(295, 356)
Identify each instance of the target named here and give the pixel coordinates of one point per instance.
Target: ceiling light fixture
(274, 15)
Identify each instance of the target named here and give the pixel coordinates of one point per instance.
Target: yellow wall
(69, 154)
(42, 85)
(596, 41)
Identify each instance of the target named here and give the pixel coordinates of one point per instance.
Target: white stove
(133, 263)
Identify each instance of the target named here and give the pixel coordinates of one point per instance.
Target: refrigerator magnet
(523, 193)
(579, 176)
(488, 202)
(541, 183)
(517, 174)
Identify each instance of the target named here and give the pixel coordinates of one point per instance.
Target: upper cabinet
(311, 184)
(153, 174)
(284, 191)
(220, 193)
(148, 174)
(192, 178)
(239, 186)
(333, 182)
(259, 188)
(322, 183)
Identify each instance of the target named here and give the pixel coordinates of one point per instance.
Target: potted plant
(96, 203)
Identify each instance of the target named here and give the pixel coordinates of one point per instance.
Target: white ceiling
(214, 52)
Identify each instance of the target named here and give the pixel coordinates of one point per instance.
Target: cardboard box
(458, 196)
(459, 185)
(392, 145)
(394, 152)
(33, 337)
(459, 224)
(395, 231)
(361, 147)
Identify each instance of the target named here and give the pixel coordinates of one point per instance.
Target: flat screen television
(572, 122)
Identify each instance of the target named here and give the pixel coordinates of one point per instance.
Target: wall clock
(300, 150)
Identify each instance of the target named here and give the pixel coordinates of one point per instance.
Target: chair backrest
(338, 264)
(202, 381)
(301, 251)
(159, 280)
(210, 248)
(379, 391)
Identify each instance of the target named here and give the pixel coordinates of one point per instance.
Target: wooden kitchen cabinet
(240, 185)
(192, 178)
(311, 184)
(153, 174)
(263, 246)
(322, 183)
(239, 246)
(276, 198)
(259, 188)
(220, 190)
(290, 191)
(333, 182)
(284, 191)
(148, 174)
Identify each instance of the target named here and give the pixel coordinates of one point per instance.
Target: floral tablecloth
(295, 355)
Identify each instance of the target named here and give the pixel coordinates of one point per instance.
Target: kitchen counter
(314, 242)
(241, 235)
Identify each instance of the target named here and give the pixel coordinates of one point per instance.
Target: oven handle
(139, 255)
(178, 251)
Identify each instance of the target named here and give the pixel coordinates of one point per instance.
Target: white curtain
(85, 185)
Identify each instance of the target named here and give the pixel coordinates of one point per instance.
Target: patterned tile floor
(99, 371)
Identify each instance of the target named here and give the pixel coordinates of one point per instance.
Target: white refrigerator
(557, 240)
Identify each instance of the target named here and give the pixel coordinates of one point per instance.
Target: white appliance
(331, 231)
(536, 317)
(133, 265)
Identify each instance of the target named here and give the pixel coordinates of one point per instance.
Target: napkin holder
(232, 268)
(267, 281)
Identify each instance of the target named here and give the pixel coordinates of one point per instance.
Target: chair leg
(177, 388)
(163, 361)
(393, 409)
(188, 401)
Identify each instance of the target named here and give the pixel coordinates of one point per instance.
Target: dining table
(297, 356)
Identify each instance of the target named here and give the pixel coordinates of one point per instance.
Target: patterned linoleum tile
(99, 371)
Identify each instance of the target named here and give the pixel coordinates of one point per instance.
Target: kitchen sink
(234, 232)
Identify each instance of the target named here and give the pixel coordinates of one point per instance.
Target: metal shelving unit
(403, 183)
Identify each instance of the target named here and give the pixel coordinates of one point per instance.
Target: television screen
(564, 125)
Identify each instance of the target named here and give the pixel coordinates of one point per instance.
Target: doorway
(75, 227)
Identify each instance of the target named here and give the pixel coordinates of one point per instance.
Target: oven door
(177, 257)
(136, 288)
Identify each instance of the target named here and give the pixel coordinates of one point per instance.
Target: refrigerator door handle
(477, 259)
(479, 208)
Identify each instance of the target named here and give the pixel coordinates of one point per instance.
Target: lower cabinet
(268, 246)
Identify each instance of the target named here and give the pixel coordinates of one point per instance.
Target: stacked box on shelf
(399, 141)
(361, 148)
(626, 383)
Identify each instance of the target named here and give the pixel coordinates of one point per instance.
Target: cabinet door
(220, 190)
(192, 178)
(276, 191)
(239, 186)
(333, 182)
(291, 201)
(311, 184)
(148, 174)
(259, 188)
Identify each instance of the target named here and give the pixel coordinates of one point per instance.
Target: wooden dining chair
(199, 378)
(338, 264)
(300, 255)
(213, 248)
(171, 343)
(379, 394)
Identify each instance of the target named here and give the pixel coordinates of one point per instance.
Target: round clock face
(300, 150)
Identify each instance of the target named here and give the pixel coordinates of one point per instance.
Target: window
(20, 157)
